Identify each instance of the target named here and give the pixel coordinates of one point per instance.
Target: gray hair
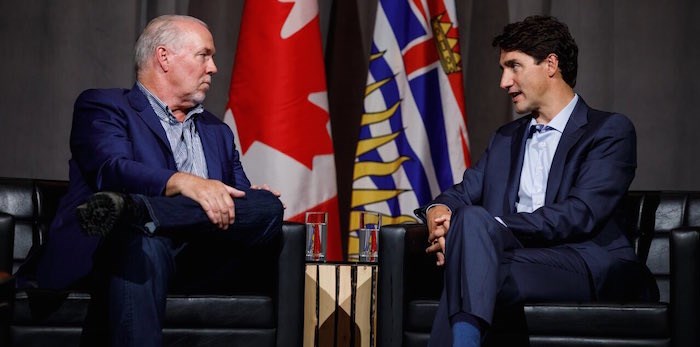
(161, 31)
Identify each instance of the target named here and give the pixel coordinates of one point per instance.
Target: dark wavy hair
(539, 36)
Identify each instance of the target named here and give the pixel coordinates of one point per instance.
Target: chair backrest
(32, 204)
(651, 215)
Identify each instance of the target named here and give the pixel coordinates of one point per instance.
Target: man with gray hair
(155, 180)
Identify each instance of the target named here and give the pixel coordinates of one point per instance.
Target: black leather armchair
(664, 229)
(266, 316)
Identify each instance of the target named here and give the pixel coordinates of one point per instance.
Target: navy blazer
(591, 171)
(118, 144)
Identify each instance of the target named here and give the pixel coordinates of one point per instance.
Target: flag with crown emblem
(413, 140)
(278, 109)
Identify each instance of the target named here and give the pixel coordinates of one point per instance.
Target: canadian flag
(278, 109)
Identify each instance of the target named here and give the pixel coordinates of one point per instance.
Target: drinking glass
(316, 231)
(368, 235)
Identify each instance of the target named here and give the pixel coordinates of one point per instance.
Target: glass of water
(316, 231)
(368, 235)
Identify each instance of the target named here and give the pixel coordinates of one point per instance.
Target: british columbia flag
(413, 139)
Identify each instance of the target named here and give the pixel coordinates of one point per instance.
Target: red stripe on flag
(421, 10)
(420, 56)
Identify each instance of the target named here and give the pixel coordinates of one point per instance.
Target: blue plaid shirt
(183, 137)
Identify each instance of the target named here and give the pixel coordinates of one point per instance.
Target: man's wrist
(436, 205)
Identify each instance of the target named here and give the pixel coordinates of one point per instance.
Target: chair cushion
(70, 336)
(568, 319)
(211, 311)
(415, 339)
(50, 308)
(44, 336)
(191, 311)
(420, 315)
(599, 319)
(218, 337)
(568, 341)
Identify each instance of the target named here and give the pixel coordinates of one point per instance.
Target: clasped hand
(438, 219)
(215, 197)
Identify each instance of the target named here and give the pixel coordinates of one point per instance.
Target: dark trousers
(486, 266)
(134, 272)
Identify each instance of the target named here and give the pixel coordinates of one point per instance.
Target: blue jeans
(134, 272)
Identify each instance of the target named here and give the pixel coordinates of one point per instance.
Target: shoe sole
(100, 214)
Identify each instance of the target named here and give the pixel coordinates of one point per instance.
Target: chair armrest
(7, 290)
(7, 287)
(685, 285)
(406, 273)
(290, 286)
(7, 241)
(7, 282)
(390, 286)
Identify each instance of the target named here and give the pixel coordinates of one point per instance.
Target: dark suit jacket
(591, 171)
(118, 144)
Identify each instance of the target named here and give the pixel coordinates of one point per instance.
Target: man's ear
(552, 61)
(162, 58)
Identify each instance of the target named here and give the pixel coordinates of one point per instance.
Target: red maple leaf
(271, 83)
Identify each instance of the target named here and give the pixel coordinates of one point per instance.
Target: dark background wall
(636, 57)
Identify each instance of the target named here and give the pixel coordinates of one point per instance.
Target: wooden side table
(340, 305)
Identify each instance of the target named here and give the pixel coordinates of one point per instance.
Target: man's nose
(506, 80)
(211, 69)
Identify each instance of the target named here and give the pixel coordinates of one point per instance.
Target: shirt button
(542, 145)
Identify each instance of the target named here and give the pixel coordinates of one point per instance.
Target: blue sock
(465, 335)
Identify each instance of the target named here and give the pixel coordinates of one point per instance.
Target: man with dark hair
(537, 218)
(538, 37)
(157, 194)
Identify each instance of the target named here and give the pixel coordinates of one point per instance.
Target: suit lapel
(572, 133)
(210, 146)
(517, 153)
(139, 103)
